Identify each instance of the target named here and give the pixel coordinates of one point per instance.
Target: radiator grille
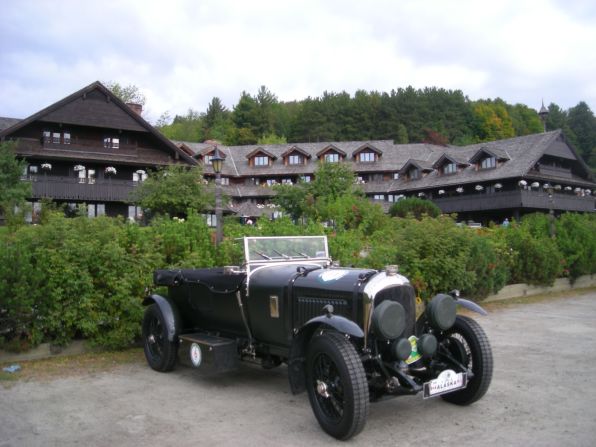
(310, 307)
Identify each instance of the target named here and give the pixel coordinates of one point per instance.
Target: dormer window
(331, 157)
(261, 160)
(488, 163)
(260, 157)
(449, 168)
(295, 159)
(331, 154)
(414, 174)
(367, 157)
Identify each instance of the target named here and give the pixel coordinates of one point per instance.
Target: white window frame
(261, 160)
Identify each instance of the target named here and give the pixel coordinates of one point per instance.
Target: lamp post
(217, 162)
(551, 209)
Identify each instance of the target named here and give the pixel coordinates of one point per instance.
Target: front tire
(468, 343)
(336, 384)
(159, 351)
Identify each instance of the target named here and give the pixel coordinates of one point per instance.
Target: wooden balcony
(515, 200)
(69, 188)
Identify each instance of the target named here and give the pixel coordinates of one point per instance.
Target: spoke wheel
(337, 386)
(467, 342)
(159, 351)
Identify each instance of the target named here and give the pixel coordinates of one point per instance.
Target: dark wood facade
(90, 148)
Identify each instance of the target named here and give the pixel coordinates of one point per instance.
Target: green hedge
(80, 277)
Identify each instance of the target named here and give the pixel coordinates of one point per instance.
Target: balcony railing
(515, 199)
(69, 188)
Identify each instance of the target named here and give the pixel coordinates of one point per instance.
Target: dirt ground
(542, 394)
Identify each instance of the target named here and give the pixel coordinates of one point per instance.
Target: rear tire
(159, 351)
(468, 343)
(336, 384)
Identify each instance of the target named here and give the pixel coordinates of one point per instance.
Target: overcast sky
(182, 53)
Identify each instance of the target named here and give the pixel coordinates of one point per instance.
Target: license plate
(447, 381)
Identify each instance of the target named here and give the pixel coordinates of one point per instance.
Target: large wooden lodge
(92, 148)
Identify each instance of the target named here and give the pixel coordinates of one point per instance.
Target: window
(379, 197)
(262, 160)
(55, 137)
(211, 220)
(96, 209)
(395, 175)
(286, 181)
(414, 174)
(33, 169)
(225, 180)
(449, 168)
(271, 182)
(82, 175)
(366, 157)
(111, 142)
(134, 212)
(207, 159)
(331, 157)
(295, 160)
(91, 176)
(306, 178)
(488, 163)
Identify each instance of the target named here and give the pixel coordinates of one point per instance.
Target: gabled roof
(260, 150)
(76, 110)
(445, 158)
(5, 122)
(484, 151)
(424, 166)
(293, 149)
(365, 147)
(329, 148)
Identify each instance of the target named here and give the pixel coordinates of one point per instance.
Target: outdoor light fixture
(523, 183)
(498, 186)
(217, 162)
(535, 185)
(479, 187)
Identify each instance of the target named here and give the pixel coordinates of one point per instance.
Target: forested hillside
(406, 115)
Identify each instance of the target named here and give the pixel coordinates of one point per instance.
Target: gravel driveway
(542, 394)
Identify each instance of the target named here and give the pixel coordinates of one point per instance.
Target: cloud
(183, 53)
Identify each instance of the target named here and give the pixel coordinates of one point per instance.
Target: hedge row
(81, 277)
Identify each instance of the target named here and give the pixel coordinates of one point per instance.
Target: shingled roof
(70, 110)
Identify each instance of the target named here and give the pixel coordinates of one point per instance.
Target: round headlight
(441, 311)
(427, 345)
(389, 320)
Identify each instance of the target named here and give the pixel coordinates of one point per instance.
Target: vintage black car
(348, 336)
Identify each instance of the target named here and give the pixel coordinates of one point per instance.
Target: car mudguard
(169, 312)
(471, 305)
(296, 361)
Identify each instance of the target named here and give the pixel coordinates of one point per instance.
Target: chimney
(137, 108)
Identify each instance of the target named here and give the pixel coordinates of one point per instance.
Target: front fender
(471, 305)
(297, 360)
(169, 312)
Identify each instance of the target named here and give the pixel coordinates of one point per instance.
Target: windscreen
(285, 248)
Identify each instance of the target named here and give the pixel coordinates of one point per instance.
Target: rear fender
(297, 360)
(169, 312)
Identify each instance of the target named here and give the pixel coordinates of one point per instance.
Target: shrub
(576, 240)
(416, 207)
